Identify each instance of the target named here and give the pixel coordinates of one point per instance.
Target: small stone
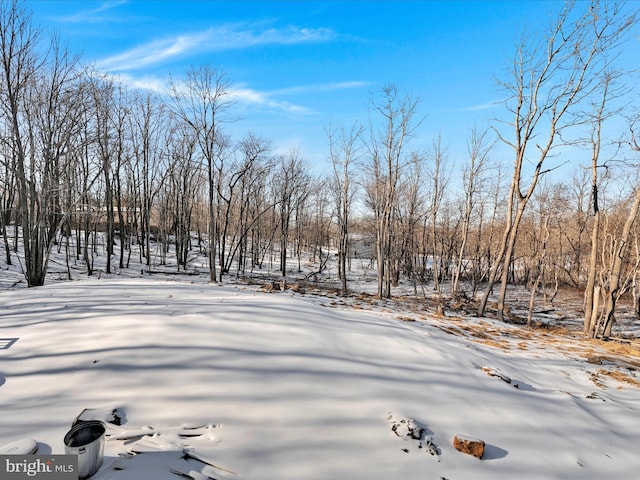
(468, 445)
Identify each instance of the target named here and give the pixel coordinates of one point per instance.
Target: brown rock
(468, 445)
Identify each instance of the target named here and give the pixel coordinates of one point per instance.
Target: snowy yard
(300, 387)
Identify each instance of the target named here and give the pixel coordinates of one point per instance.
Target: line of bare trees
(82, 157)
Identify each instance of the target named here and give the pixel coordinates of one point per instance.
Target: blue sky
(295, 66)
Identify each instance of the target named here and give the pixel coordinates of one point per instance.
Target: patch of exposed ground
(618, 359)
(620, 376)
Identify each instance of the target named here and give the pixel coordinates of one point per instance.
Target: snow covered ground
(299, 387)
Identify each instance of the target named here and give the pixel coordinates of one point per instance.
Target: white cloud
(320, 87)
(225, 37)
(251, 97)
(482, 106)
(147, 82)
(245, 97)
(93, 15)
(153, 53)
(242, 95)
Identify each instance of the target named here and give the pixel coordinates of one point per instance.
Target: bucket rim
(85, 424)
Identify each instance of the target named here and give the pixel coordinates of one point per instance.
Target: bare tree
(86, 171)
(291, 186)
(575, 228)
(438, 156)
(314, 218)
(42, 101)
(121, 163)
(549, 79)
(386, 148)
(615, 289)
(200, 101)
(102, 92)
(410, 214)
(535, 257)
(252, 201)
(615, 286)
(600, 114)
(478, 148)
(20, 64)
(150, 155)
(250, 157)
(184, 184)
(344, 152)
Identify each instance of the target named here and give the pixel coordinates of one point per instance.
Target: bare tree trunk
(7, 200)
(590, 288)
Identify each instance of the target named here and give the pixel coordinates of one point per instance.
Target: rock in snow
(410, 429)
(468, 445)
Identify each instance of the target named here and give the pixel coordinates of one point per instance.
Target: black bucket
(86, 440)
